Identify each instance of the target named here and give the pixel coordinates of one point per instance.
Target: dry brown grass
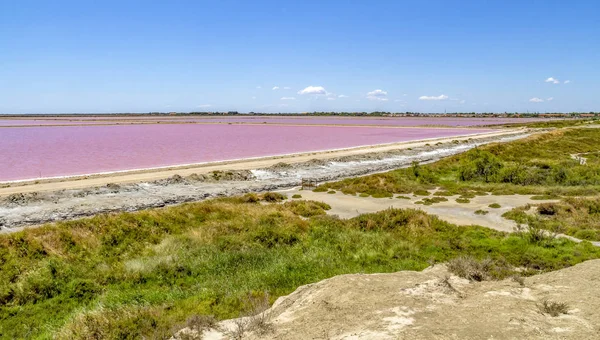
(553, 308)
(478, 270)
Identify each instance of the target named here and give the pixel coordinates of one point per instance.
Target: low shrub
(307, 208)
(430, 201)
(273, 197)
(547, 209)
(553, 308)
(443, 193)
(249, 198)
(479, 270)
(495, 206)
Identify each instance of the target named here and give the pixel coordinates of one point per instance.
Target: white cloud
(550, 99)
(287, 88)
(536, 100)
(204, 105)
(288, 98)
(377, 95)
(404, 95)
(440, 97)
(259, 87)
(253, 97)
(330, 98)
(462, 101)
(552, 80)
(342, 96)
(567, 81)
(320, 90)
(275, 88)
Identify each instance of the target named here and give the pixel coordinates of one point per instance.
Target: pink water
(383, 121)
(35, 122)
(34, 152)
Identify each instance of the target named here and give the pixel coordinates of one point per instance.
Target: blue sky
(294, 56)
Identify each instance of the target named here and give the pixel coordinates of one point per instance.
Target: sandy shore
(148, 175)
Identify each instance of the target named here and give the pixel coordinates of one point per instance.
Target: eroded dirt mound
(281, 166)
(21, 199)
(431, 305)
(216, 176)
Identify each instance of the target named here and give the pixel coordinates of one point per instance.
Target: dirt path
(347, 206)
(79, 182)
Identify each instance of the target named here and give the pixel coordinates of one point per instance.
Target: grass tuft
(553, 308)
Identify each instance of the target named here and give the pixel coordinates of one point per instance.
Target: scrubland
(143, 274)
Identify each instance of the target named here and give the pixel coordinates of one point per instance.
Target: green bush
(273, 197)
(307, 208)
(430, 201)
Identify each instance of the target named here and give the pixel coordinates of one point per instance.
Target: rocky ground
(432, 304)
(35, 208)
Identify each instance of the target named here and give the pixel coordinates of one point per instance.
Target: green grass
(544, 197)
(578, 217)
(463, 200)
(432, 200)
(307, 208)
(495, 206)
(556, 123)
(539, 165)
(443, 193)
(135, 275)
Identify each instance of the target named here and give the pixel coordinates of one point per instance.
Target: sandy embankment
(35, 204)
(432, 304)
(148, 175)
